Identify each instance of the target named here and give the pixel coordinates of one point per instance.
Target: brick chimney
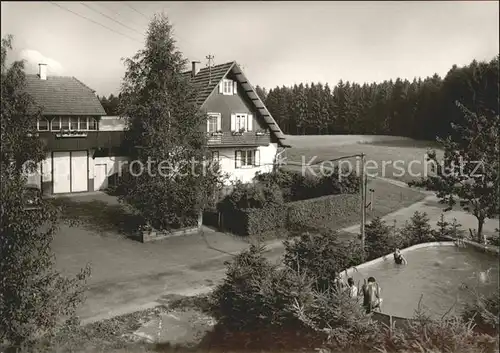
(42, 71)
(195, 68)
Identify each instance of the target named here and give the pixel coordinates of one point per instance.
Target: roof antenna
(210, 59)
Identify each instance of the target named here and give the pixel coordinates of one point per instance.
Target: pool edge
(403, 322)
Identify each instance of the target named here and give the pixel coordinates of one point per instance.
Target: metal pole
(363, 204)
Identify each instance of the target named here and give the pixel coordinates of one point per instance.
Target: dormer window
(228, 87)
(43, 125)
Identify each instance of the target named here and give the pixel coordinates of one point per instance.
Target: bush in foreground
(322, 256)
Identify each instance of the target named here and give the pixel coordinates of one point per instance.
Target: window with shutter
(227, 87)
(250, 122)
(241, 122)
(235, 87)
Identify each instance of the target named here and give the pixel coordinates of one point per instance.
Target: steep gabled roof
(207, 80)
(63, 95)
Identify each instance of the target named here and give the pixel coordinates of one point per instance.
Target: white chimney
(195, 68)
(42, 71)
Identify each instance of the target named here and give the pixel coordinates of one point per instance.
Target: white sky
(277, 43)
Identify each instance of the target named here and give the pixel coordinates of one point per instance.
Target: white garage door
(79, 171)
(61, 172)
(70, 172)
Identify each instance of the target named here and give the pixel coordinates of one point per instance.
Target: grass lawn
(401, 159)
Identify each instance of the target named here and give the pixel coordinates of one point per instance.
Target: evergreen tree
(324, 102)
(261, 92)
(422, 109)
(299, 108)
(164, 135)
(378, 239)
(34, 297)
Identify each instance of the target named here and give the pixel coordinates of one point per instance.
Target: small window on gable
(227, 87)
(43, 124)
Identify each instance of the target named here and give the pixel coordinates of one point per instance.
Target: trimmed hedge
(326, 209)
(293, 215)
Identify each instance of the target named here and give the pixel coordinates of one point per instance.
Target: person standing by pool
(371, 295)
(399, 258)
(353, 290)
(338, 282)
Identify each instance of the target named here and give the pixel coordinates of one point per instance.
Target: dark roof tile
(63, 95)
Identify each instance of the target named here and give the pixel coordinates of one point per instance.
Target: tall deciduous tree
(33, 295)
(469, 174)
(165, 135)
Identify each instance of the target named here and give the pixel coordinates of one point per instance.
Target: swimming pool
(438, 273)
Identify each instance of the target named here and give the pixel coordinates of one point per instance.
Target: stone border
(403, 322)
(148, 236)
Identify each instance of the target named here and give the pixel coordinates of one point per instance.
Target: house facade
(242, 134)
(83, 145)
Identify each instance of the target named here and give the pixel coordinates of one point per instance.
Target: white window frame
(48, 124)
(218, 118)
(227, 87)
(85, 120)
(241, 158)
(240, 121)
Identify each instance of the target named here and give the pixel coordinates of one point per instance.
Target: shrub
(340, 318)
(322, 256)
(448, 334)
(254, 195)
(379, 240)
(484, 313)
(448, 230)
(417, 230)
(296, 187)
(255, 293)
